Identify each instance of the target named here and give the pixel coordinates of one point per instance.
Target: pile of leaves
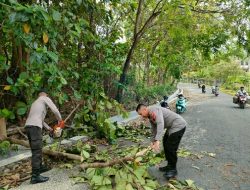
(134, 133)
(15, 175)
(131, 175)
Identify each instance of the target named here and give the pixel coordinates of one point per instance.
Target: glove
(58, 132)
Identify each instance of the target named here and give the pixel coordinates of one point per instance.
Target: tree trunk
(125, 70)
(138, 33)
(3, 127)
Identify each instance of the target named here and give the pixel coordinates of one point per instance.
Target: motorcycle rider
(199, 84)
(203, 87)
(164, 102)
(180, 104)
(241, 92)
(213, 89)
(216, 90)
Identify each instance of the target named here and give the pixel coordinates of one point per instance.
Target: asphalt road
(216, 125)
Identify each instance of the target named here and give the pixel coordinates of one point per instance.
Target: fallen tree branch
(22, 133)
(114, 162)
(79, 158)
(15, 130)
(45, 150)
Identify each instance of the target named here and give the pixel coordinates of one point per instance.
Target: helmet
(165, 97)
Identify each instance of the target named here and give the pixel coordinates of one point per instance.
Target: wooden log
(79, 158)
(3, 127)
(45, 150)
(114, 162)
(15, 130)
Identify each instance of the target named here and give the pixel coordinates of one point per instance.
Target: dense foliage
(99, 50)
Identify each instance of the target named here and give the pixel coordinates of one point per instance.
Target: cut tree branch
(45, 150)
(116, 161)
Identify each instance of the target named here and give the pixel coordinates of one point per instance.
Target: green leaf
(85, 154)
(139, 171)
(12, 17)
(5, 113)
(77, 95)
(23, 75)
(106, 181)
(20, 104)
(109, 105)
(9, 80)
(97, 180)
(152, 184)
(21, 111)
(63, 81)
(45, 15)
(147, 188)
(91, 172)
(53, 56)
(79, 2)
(78, 179)
(56, 15)
(129, 187)
(120, 184)
(189, 182)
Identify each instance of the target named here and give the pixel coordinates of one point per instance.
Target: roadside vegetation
(108, 56)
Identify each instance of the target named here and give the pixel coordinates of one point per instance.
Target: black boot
(164, 168)
(37, 178)
(171, 173)
(44, 168)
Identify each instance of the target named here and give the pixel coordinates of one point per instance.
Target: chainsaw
(58, 128)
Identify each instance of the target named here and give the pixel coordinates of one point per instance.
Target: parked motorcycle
(181, 104)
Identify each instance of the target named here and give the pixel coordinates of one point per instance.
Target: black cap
(42, 90)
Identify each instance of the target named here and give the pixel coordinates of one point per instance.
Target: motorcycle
(180, 105)
(242, 100)
(213, 91)
(199, 85)
(216, 93)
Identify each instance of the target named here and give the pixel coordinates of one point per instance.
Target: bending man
(161, 118)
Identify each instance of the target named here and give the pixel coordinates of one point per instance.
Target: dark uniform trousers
(34, 134)
(171, 143)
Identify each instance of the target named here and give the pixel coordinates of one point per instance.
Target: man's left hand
(156, 146)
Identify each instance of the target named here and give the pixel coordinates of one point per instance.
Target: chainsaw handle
(65, 120)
